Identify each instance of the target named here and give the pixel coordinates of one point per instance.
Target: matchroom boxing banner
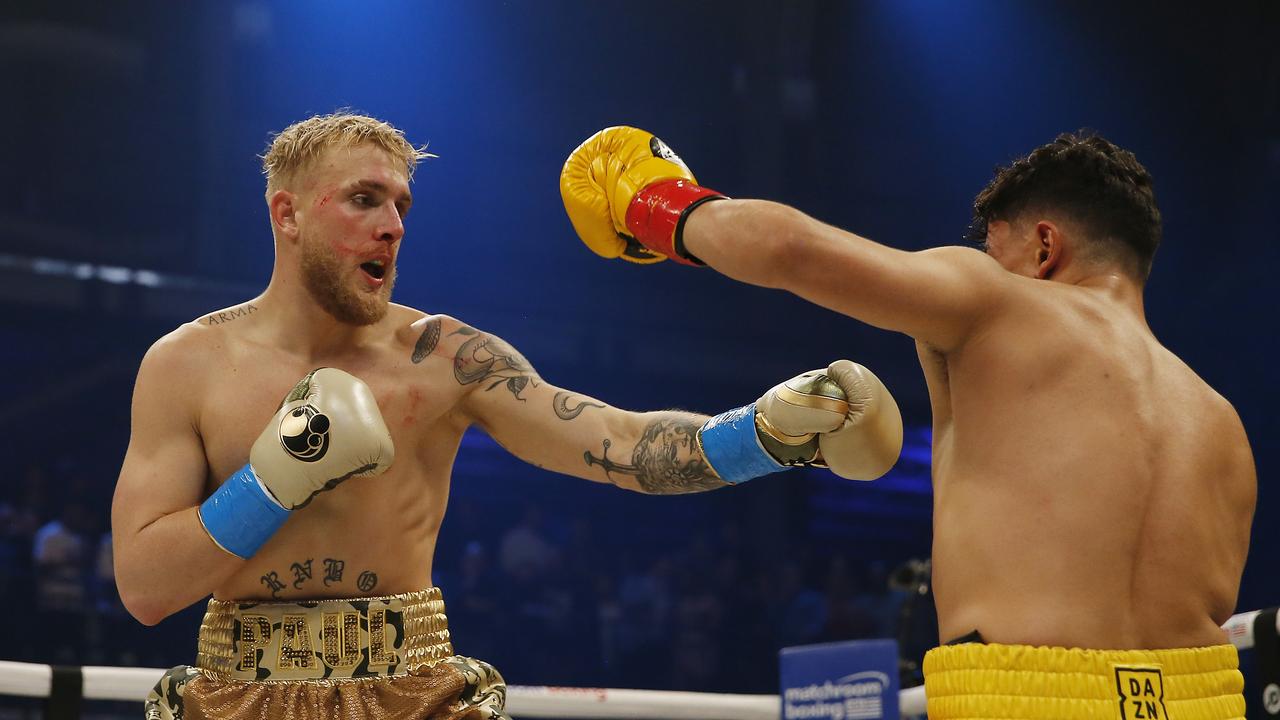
(856, 680)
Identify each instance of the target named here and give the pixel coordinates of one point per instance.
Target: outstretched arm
(936, 296)
(842, 416)
(572, 433)
(628, 196)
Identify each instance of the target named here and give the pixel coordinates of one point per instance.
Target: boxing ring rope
(132, 684)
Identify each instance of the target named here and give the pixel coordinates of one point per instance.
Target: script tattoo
(484, 358)
(333, 570)
(427, 341)
(301, 572)
(564, 412)
(273, 583)
(367, 581)
(666, 460)
(228, 315)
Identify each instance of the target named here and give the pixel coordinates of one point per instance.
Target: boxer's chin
(338, 291)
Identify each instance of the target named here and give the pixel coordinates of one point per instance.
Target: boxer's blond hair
(297, 146)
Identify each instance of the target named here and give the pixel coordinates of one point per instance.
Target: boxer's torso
(369, 535)
(1090, 489)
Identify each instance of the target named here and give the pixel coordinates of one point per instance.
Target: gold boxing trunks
(975, 680)
(387, 658)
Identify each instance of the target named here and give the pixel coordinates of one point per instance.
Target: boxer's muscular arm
(164, 560)
(936, 296)
(567, 432)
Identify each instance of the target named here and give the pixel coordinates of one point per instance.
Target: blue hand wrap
(239, 516)
(731, 446)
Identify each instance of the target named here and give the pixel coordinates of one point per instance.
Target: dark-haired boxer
(1092, 495)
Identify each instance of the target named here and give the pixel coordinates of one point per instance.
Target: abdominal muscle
(370, 536)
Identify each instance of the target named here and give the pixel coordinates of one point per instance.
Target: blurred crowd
(549, 596)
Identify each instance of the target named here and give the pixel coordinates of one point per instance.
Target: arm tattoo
(666, 459)
(484, 358)
(564, 412)
(427, 340)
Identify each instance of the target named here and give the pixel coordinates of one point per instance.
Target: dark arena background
(131, 202)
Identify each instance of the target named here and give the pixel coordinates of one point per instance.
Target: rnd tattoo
(302, 572)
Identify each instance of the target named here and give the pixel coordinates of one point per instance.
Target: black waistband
(973, 637)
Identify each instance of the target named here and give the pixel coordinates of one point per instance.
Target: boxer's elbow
(147, 600)
(145, 605)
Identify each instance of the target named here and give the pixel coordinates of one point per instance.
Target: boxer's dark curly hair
(1089, 179)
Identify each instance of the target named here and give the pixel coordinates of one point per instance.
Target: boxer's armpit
(665, 460)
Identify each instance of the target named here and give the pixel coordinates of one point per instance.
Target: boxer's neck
(291, 319)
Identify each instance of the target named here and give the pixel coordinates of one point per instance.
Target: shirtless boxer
(323, 605)
(1093, 496)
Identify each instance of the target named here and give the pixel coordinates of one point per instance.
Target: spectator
(526, 553)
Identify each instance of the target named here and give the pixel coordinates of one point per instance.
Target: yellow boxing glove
(627, 195)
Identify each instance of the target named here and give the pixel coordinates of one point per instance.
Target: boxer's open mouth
(375, 268)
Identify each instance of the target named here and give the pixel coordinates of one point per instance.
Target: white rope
(133, 684)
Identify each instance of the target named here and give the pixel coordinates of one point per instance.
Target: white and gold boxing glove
(868, 441)
(327, 430)
(843, 418)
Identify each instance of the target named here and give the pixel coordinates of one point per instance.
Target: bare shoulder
(1218, 416)
(421, 335)
(965, 261)
(183, 354)
(970, 258)
(223, 317)
(172, 368)
(976, 286)
(1228, 424)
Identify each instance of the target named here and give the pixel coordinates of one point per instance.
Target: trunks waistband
(323, 639)
(973, 680)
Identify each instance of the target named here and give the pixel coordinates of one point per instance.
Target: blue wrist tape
(239, 516)
(733, 449)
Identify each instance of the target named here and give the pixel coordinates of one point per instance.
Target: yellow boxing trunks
(975, 680)
(387, 658)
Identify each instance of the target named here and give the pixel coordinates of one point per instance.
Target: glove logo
(660, 149)
(304, 433)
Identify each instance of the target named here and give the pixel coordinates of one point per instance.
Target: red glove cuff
(657, 213)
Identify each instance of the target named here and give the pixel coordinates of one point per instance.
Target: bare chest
(241, 395)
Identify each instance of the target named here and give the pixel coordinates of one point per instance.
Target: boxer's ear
(283, 208)
(1050, 248)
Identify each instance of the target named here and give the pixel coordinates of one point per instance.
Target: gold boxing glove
(867, 443)
(843, 418)
(627, 195)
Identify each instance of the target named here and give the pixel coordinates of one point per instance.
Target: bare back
(1090, 490)
(338, 547)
